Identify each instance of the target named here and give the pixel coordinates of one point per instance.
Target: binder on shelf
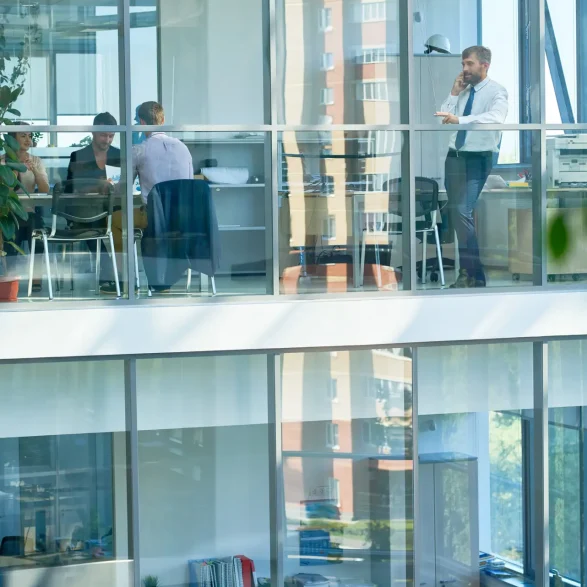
(233, 571)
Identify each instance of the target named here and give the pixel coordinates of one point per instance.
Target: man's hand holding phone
(459, 85)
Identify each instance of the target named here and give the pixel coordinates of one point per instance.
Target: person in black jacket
(90, 163)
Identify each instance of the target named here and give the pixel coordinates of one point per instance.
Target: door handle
(448, 581)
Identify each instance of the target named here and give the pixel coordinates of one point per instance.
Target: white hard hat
(437, 43)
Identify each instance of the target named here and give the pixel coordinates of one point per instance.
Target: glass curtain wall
(332, 151)
(297, 468)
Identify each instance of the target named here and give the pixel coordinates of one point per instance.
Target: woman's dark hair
(18, 123)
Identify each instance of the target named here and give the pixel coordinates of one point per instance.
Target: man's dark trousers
(465, 175)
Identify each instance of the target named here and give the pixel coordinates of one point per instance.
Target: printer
(567, 160)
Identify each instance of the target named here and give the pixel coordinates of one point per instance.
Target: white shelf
(228, 228)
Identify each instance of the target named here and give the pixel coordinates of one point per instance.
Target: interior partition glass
(209, 233)
(183, 55)
(203, 470)
(69, 66)
(566, 206)
(348, 467)
(73, 196)
(339, 228)
(567, 425)
(64, 498)
(457, 43)
(338, 62)
(474, 208)
(475, 438)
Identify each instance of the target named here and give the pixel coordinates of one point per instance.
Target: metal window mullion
(541, 534)
(407, 108)
(132, 467)
(583, 491)
(275, 453)
(271, 187)
(416, 579)
(127, 120)
(537, 48)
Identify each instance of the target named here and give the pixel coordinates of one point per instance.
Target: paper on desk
(495, 182)
(113, 173)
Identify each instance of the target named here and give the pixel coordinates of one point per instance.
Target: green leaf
(17, 166)
(7, 176)
(22, 188)
(5, 97)
(8, 228)
(16, 207)
(15, 94)
(11, 154)
(16, 248)
(14, 111)
(558, 237)
(12, 142)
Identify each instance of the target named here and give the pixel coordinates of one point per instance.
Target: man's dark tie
(462, 134)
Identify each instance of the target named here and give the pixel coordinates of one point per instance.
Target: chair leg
(378, 265)
(439, 254)
(32, 266)
(188, 284)
(213, 282)
(363, 250)
(98, 258)
(114, 266)
(71, 284)
(137, 277)
(424, 239)
(48, 266)
(57, 278)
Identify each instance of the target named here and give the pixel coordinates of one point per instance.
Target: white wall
(212, 61)
(41, 399)
(202, 392)
(475, 378)
(212, 501)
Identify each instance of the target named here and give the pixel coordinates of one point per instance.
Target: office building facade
(319, 401)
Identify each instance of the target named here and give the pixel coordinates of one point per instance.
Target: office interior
(304, 204)
(368, 487)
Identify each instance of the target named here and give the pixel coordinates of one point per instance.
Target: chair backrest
(12, 546)
(83, 200)
(426, 196)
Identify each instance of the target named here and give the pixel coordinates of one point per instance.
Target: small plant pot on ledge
(8, 289)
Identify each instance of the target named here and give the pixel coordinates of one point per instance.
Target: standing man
(474, 99)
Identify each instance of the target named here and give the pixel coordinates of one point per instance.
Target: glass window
(566, 207)
(567, 395)
(73, 193)
(228, 253)
(184, 56)
(63, 479)
(474, 214)
(475, 421)
(345, 29)
(339, 231)
(438, 45)
(349, 502)
(70, 52)
(203, 466)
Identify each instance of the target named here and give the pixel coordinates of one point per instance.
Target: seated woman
(33, 179)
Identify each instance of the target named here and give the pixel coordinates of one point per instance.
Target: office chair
(389, 222)
(82, 202)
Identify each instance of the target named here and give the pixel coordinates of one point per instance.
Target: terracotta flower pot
(8, 290)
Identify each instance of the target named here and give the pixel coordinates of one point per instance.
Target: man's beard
(473, 79)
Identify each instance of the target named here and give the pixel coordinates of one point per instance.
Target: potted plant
(12, 211)
(151, 581)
